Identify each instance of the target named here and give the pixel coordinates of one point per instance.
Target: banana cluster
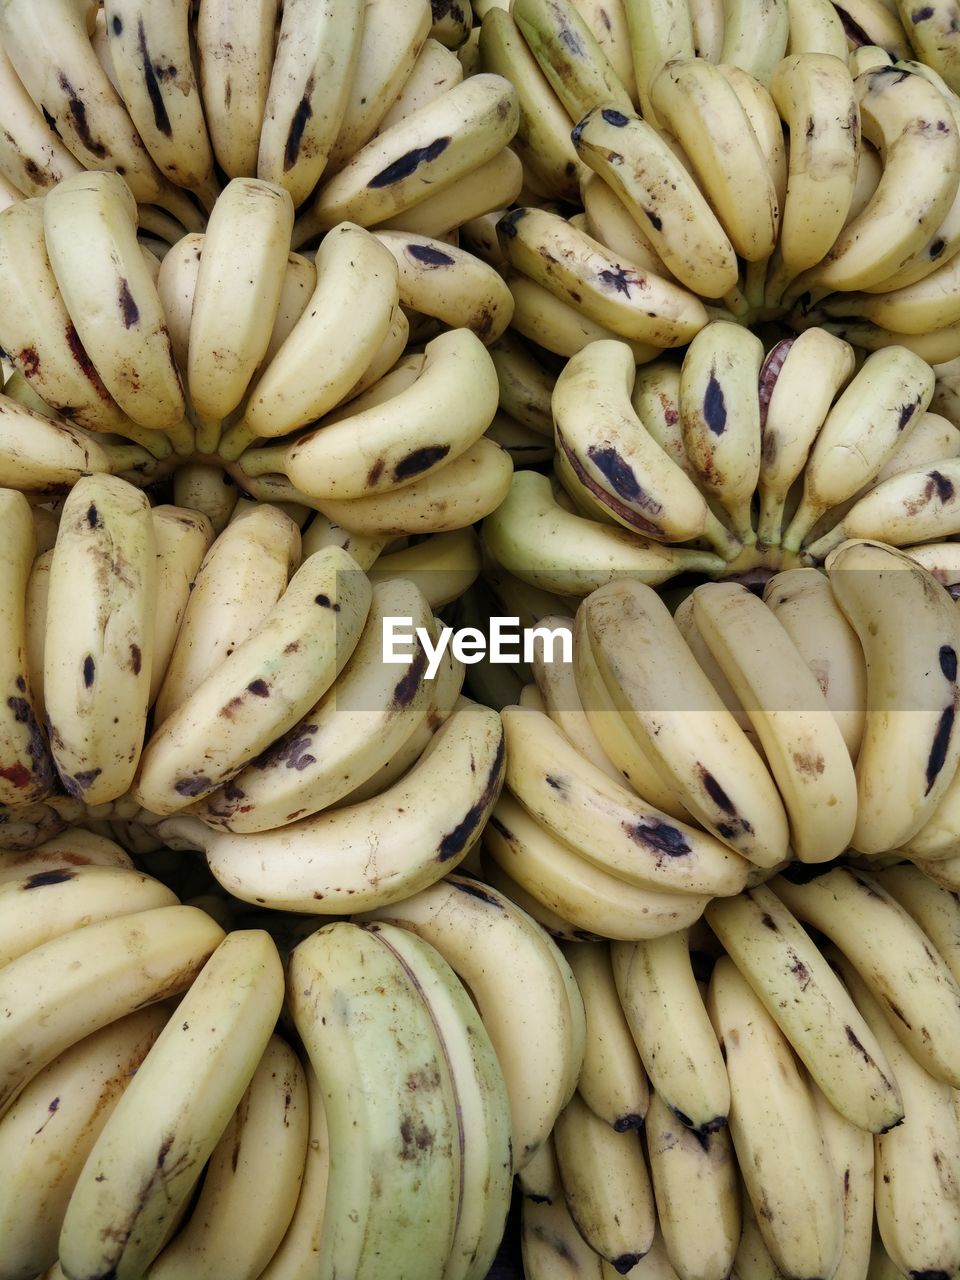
(734, 162)
(734, 460)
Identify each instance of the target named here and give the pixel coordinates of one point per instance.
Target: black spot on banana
(408, 164)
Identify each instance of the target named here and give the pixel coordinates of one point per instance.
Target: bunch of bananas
(733, 461)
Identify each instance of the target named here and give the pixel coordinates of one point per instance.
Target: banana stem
(724, 542)
(263, 462)
(208, 435)
(235, 440)
(181, 437)
(770, 522)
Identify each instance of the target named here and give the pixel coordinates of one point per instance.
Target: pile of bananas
(318, 316)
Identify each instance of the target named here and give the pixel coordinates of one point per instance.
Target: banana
(526, 385)
(932, 32)
(608, 221)
(802, 994)
(489, 187)
(605, 1184)
(423, 154)
(483, 1102)
(761, 111)
(352, 731)
(603, 822)
(450, 284)
(569, 56)
(268, 1129)
(656, 986)
(918, 992)
(76, 847)
(182, 538)
(296, 1256)
(350, 313)
(548, 546)
(916, 1189)
(177, 287)
(878, 590)
(235, 45)
(697, 1193)
(720, 417)
(48, 1132)
(695, 740)
(782, 1155)
(350, 996)
(886, 399)
(194, 1077)
(314, 64)
(874, 23)
(798, 382)
(656, 400)
(90, 230)
(579, 891)
(815, 26)
(47, 904)
(659, 31)
(258, 695)
(452, 497)
(73, 985)
(612, 1083)
(938, 347)
(606, 445)
(558, 326)
(152, 61)
(32, 157)
(661, 196)
(608, 25)
(26, 772)
(37, 330)
(321, 532)
(802, 743)
(851, 1155)
(237, 294)
(551, 1247)
(242, 576)
(51, 52)
(695, 102)
(925, 305)
(436, 69)
(393, 36)
(803, 603)
(918, 503)
(98, 645)
(452, 402)
(615, 294)
(908, 120)
(815, 95)
(752, 1260)
(755, 37)
(425, 823)
(935, 909)
(442, 567)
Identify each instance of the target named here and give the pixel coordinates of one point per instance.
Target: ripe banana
(696, 104)
(605, 1184)
(76, 847)
(851, 1155)
(490, 186)
(695, 741)
(755, 36)
(152, 62)
(802, 743)
(656, 986)
(269, 1129)
(98, 644)
(32, 157)
(663, 198)
(720, 417)
(932, 32)
(559, 326)
(802, 994)
(237, 294)
(883, 402)
(659, 31)
(894, 958)
(612, 1082)
(436, 69)
(152, 1149)
(935, 909)
(353, 730)
(89, 225)
(390, 1104)
(697, 1194)
(604, 822)
(816, 27)
(782, 1155)
(235, 44)
(577, 890)
(242, 576)
(569, 56)
(423, 824)
(182, 538)
(879, 590)
(313, 66)
(526, 385)
(262, 689)
(803, 603)
(73, 985)
(551, 1247)
(48, 1132)
(443, 567)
